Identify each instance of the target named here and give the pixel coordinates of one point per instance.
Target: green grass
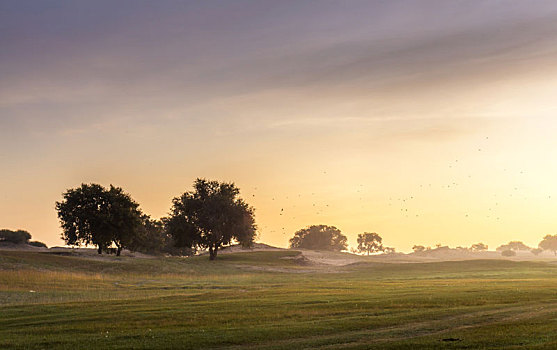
(266, 300)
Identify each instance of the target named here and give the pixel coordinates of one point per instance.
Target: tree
(152, 238)
(549, 242)
(508, 252)
(389, 250)
(418, 248)
(536, 251)
(478, 247)
(513, 245)
(369, 243)
(319, 237)
(210, 217)
(15, 237)
(92, 214)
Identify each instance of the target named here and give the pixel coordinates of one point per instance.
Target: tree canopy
(369, 243)
(210, 217)
(92, 214)
(319, 237)
(549, 242)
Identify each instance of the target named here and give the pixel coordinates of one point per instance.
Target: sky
(428, 122)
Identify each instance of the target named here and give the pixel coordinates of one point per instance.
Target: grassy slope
(241, 301)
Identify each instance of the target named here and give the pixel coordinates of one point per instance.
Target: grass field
(260, 300)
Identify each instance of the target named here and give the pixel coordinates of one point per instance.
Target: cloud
(76, 66)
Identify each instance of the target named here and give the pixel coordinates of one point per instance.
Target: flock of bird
(406, 206)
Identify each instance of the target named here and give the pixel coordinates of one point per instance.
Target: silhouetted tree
(513, 245)
(15, 237)
(369, 243)
(92, 214)
(152, 238)
(210, 217)
(549, 242)
(478, 247)
(319, 237)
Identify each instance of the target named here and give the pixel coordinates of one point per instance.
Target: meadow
(271, 300)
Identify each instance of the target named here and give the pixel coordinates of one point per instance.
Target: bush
(15, 237)
(37, 244)
(508, 253)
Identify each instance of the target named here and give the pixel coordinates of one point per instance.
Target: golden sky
(427, 122)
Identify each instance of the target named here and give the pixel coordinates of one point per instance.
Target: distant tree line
(548, 243)
(477, 247)
(209, 217)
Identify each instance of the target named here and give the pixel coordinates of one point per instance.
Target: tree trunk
(213, 252)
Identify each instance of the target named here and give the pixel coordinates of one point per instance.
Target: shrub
(16, 237)
(37, 244)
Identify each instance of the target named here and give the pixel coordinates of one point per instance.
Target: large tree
(211, 217)
(319, 237)
(549, 242)
(513, 245)
(92, 214)
(370, 243)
